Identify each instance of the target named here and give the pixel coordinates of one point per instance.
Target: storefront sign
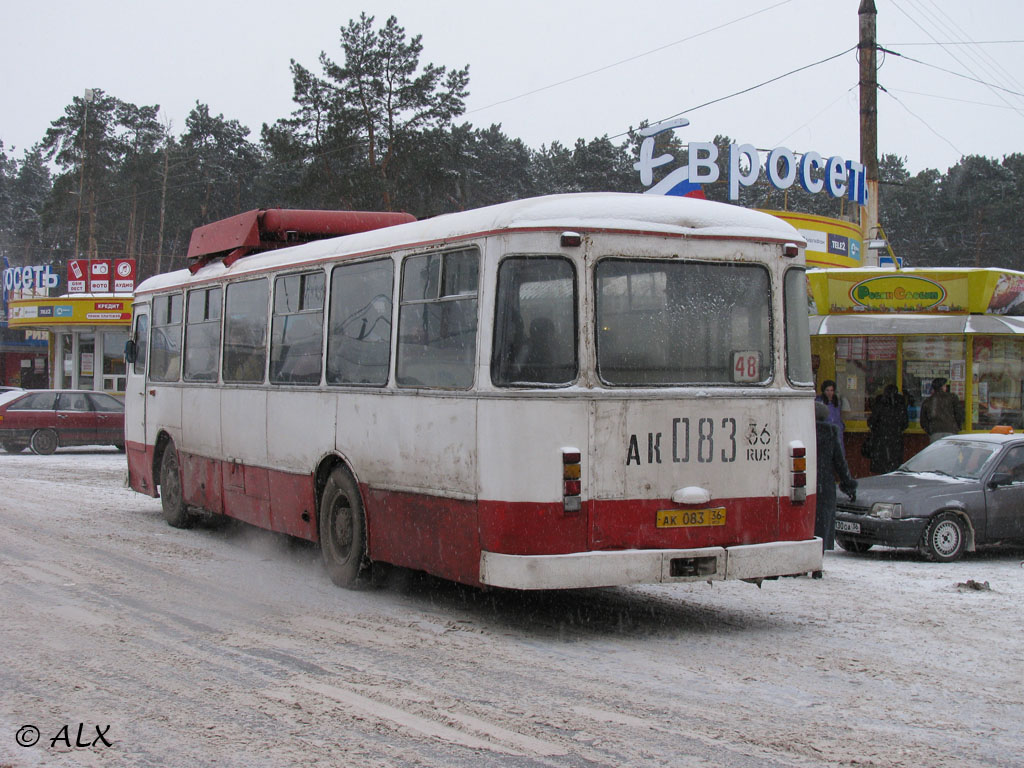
(124, 275)
(898, 293)
(889, 291)
(1008, 296)
(830, 242)
(30, 280)
(78, 281)
(99, 276)
(69, 310)
(833, 175)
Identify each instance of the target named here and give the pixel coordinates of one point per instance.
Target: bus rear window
(664, 323)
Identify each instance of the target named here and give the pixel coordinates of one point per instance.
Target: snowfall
(126, 642)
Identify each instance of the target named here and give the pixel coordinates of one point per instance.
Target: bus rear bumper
(650, 566)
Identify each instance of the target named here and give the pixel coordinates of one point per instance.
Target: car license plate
(690, 518)
(845, 527)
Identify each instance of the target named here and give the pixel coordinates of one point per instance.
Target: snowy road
(230, 647)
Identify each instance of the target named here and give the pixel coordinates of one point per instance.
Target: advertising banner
(896, 292)
(99, 276)
(124, 275)
(830, 242)
(70, 310)
(78, 280)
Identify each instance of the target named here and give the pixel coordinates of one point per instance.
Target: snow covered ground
(230, 647)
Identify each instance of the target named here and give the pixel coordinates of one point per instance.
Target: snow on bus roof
(587, 211)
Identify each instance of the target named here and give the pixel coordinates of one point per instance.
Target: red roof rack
(266, 230)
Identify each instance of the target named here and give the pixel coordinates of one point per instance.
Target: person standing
(886, 422)
(942, 413)
(835, 405)
(832, 466)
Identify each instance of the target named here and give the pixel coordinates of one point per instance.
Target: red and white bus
(568, 391)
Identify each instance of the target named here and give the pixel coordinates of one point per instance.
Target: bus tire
(44, 442)
(172, 500)
(14, 447)
(343, 530)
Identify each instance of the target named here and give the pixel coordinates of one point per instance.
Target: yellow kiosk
(87, 337)
(871, 327)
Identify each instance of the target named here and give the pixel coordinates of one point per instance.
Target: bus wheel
(171, 498)
(343, 530)
(13, 447)
(44, 442)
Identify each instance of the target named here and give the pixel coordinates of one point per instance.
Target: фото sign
(815, 173)
(99, 276)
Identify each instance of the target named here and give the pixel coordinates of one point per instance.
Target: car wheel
(852, 545)
(14, 447)
(943, 540)
(343, 530)
(171, 498)
(44, 442)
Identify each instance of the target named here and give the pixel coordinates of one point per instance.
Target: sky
(555, 70)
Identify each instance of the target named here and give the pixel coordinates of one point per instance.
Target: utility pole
(86, 100)
(867, 49)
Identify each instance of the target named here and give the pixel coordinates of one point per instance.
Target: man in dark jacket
(831, 466)
(942, 413)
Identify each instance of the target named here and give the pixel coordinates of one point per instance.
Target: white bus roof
(583, 212)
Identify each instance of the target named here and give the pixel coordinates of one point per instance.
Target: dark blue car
(957, 494)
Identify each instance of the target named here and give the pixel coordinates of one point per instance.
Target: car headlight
(887, 510)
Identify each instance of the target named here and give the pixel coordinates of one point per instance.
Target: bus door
(140, 472)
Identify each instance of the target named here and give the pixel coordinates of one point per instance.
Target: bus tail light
(797, 472)
(572, 480)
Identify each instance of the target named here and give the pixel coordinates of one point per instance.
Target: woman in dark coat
(887, 421)
(832, 467)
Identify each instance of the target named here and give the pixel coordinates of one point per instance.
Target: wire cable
(629, 59)
(746, 90)
(925, 122)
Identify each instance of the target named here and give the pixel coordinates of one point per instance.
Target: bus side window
(166, 342)
(141, 344)
(245, 331)
(202, 334)
(297, 331)
(437, 319)
(535, 322)
(359, 325)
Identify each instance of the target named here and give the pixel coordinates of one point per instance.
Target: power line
(748, 90)
(968, 42)
(955, 58)
(951, 98)
(629, 59)
(925, 122)
(948, 71)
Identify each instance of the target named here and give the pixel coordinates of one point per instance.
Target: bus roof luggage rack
(264, 230)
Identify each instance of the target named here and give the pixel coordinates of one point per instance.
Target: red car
(45, 419)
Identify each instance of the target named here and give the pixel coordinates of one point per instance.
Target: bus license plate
(845, 527)
(690, 518)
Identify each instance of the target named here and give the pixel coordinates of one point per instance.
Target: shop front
(873, 327)
(86, 335)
